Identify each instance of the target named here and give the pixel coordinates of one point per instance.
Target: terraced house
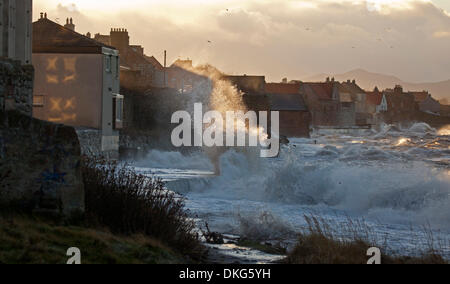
(77, 83)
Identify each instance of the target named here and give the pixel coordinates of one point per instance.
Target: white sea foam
(395, 185)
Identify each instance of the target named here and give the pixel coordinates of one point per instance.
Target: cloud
(293, 38)
(441, 34)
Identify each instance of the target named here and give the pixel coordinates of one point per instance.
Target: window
(38, 100)
(117, 67)
(118, 111)
(108, 63)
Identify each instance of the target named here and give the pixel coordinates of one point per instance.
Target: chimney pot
(42, 15)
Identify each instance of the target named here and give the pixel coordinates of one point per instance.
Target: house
(426, 102)
(183, 77)
(359, 97)
(77, 82)
(401, 106)
(16, 30)
(347, 107)
(323, 102)
(248, 84)
(376, 104)
(445, 110)
(295, 118)
(139, 70)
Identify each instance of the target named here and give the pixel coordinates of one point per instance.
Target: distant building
(138, 70)
(426, 102)
(401, 106)
(248, 84)
(182, 78)
(77, 82)
(295, 118)
(323, 102)
(376, 104)
(347, 108)
(445, 110)
(16, 30)
(359, 97)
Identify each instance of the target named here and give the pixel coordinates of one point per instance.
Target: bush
(128, 203)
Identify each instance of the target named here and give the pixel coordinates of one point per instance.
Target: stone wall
(16, 86)
(91, 144)
(40, 165)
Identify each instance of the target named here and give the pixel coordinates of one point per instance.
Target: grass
(31, 240)
(321, 244)
(128, 203)
(129, 219)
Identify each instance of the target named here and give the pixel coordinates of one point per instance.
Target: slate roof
(50, 37)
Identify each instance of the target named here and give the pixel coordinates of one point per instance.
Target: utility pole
(165, 66)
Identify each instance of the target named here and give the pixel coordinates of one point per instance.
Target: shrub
(129, 203)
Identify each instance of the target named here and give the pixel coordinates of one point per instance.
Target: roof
(352, 87)
(323, 91)
(374, 98)
(420, 96)
(283, 88)
(50, 37)
(154, 62)
(287, 102)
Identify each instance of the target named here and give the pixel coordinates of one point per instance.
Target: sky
(296, 39)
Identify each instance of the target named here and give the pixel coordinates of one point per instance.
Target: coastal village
(119, 100)
(66, 96)
(101, 82)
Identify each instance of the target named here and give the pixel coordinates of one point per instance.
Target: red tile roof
(283, 88)
(324, 91)
(374, 98)
(420, 96)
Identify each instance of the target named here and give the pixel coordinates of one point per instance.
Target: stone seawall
(40, 165)
(16, 86)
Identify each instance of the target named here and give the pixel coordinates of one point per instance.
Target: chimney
(348, 81)
(398, 89)
(88, 35)
(42, 15)
(332, 79)
(354, 82)
(69, 24)
(284, 81)
(328, 79)
(120, 39)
